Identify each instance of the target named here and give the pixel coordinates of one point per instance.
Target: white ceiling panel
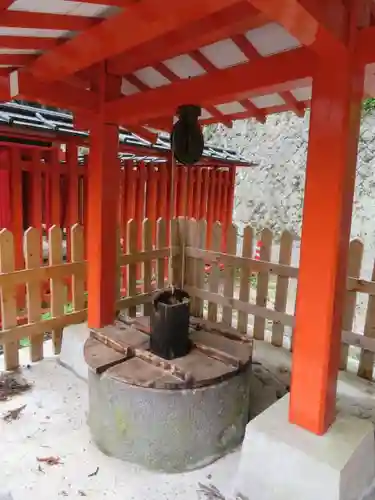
(152, 78)
(63, 7)
(230, 108)
(302, 94)
(224, 54)
(266, 101)
(184, 66)
(271, 39)
(128, 88)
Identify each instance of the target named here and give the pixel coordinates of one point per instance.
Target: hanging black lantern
(187, 140)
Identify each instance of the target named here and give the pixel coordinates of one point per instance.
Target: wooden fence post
(160, 243)
(147, 230)
(214, 276)
(178, 241)
(57, 284)
(245, 274)
(366, 360)
(230, 273)
(354, 269)
(77, 253)
(33, 260)
(8, 299)
(263, 283)
(132, 269)
(199, 267)
(281, 299)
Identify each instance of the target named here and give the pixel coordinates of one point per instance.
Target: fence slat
(160, 243)
(366, 360)
(78, 253)
(354, 268)
(281, 298)
(132, 270)
(199, 267)
(33, 290)
(190, 263)
(57, 285)
(214, 276)
(229, 274)
(262, 283)
(8, 299)
(147, 265)
(178, 241)
(247, 249)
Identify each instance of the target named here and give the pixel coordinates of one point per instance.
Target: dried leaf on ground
(210, 492)
(12, 384)
(50, 460)
(13, 414)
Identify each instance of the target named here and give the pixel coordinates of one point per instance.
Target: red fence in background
(39, 187)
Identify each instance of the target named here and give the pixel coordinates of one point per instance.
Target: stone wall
(271, 194)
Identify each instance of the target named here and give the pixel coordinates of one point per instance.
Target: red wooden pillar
(17, 206)
(191, 186)
(104, 180)
(331, 167)
(17, 218)
(182, 199)
(140, 209)
(211, 204)
(197, 194)
(219, 196)
(230, 199)
(152, 199)
(73, 190)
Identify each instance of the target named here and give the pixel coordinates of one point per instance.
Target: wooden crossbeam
(29, 42)
(276, 73)
(145, 21)
(38, 20)
(234, 19)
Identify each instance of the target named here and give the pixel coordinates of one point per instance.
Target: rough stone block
(281, 461)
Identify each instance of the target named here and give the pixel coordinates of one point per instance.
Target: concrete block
(71, 356)
(281, 461)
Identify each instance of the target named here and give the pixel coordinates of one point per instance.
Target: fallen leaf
(94, 473)
(13, 414)
(50, 460)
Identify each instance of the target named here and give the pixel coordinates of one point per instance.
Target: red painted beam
(37, 20)
(16, 59)
(265, 75)
(29, 42)
(23, 85)
(145, 21)
(234, 19)
(310, 22)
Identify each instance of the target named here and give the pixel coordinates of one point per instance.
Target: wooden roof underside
(235, 58)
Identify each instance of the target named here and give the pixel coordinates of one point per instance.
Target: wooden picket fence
(240, 292)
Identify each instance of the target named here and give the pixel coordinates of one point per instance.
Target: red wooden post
(204, 198)
(331, 168)
(230, 199)
(17, 217)
(191, 183)
(140, 209)
(197, 194)
(219, 196)
(176, 174)
(73, 186)
(36, 193)
(211, 204)
(55, 194)
(182, 200)
(104, 180)
(152, 199)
